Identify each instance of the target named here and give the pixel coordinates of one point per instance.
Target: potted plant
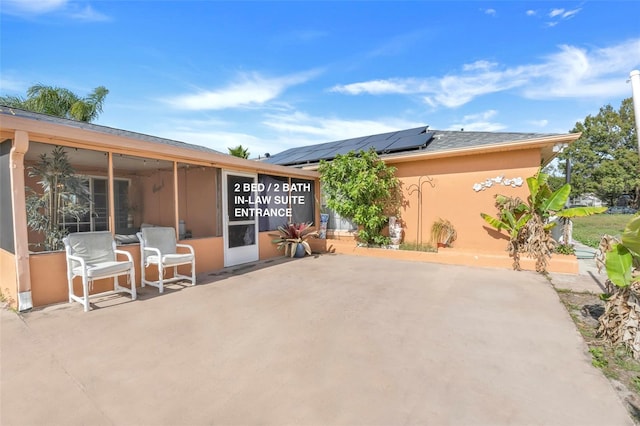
(62, 194)
(443, 234)
(292, 238)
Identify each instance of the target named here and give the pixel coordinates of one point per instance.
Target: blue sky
(275, 75)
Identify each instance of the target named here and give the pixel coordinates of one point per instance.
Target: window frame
(80, 225)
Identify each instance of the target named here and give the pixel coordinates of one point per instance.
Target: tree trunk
(621, 318)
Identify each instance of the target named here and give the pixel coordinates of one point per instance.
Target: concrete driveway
(328, 340)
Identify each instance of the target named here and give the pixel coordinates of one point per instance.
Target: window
(303, 198)
(273, 198)
(97, 217)
(283, 200)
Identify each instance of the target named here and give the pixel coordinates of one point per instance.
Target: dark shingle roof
(5, 110)
(419, 140)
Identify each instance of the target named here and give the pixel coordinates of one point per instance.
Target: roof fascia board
(82, 138)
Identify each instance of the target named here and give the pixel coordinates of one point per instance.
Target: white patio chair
(93, 256)
(158, 247)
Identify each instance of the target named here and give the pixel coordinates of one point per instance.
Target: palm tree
(59, 102)
(239, 151)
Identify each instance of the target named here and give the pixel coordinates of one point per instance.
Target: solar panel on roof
(379, 145)
(284, 157)
(389, 136)
(411, 132)
(382, 143)
(313, 156)
(346, 148)
(414, 141)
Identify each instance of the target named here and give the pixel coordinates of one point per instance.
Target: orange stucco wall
(266, 248)
(8, 284)
(566, 264)
(198, 200)
(157, 198)
(209, 253)
(449, 194)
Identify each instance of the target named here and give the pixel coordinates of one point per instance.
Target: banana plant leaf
(534, 186)
(496, 223)
(556, 201)
(631, 236)
(580, 211)
(618, 264)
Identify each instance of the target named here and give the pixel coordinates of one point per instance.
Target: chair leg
(142, 274)
(193, 273)
(132, 277)
(85, 294)
(160, 278)
(70, 280)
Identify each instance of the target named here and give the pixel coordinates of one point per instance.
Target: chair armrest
(153, 249)
(187, 246)
(79, 259)
(126, 253)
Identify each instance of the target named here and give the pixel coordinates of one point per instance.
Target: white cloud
(478, 122)
(375, 87)
(578, 73)
(250, 90)
(480, 116)
(301, 126)
(89, 14)
(277, 131)
(479, 65)
(213, 133)
(555, 12)
(561, 14)
(34, 7)
(12, 85)
(64, 8)
(490, 12)
(531, 12)
(539, 123)
(570, 72)
(456, 90)
(478, 126)
(218, 140)
(569, 13)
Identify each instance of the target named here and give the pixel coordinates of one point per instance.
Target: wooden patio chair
(93, 256)
(159, 248)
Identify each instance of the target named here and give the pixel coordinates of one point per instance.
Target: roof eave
(40, 131)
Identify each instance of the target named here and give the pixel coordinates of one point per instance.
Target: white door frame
(244, 252)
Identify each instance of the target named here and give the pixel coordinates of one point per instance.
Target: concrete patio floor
(325, 340)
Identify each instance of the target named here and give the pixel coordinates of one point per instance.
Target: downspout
(20, 229)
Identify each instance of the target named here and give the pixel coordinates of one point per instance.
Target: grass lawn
(588, 230)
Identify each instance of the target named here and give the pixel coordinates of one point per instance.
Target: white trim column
(20, 229)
